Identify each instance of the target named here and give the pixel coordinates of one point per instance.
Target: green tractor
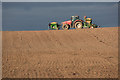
(54, 26)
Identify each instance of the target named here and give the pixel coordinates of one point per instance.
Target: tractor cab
(73, 18)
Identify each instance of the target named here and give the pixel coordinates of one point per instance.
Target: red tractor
(75, 22)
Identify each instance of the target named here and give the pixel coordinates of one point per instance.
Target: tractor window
(72, 18)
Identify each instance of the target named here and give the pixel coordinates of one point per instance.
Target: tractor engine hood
(67, 22)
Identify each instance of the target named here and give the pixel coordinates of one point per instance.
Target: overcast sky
(0, 16)
(37, 15)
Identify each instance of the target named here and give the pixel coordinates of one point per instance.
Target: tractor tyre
(78, 25)
(65, 27)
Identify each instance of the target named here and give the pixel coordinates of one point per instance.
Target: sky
(20, 16)
(0, 16)
(60, 0)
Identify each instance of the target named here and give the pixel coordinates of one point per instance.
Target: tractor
(54, 26)
(75, 22)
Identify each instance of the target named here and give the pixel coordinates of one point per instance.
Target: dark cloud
(36, 16)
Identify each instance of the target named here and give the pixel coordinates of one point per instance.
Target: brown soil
(81, 53)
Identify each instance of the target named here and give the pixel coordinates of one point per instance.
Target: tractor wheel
(78, 25)
(65, 26)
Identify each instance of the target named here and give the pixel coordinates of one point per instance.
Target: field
(81, 53)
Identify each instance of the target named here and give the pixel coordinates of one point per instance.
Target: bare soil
(81, 53)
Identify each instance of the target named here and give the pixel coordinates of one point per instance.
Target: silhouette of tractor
(75, 22)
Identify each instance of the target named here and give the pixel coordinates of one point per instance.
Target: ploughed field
(81, 53)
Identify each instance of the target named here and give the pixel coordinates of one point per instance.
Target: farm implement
(54, 26)
(75, 22)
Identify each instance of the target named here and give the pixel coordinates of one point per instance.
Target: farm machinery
(75, 22)
(54, 26)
